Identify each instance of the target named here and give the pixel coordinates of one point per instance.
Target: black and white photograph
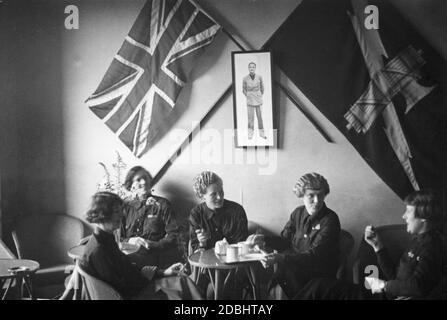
(223, 155)
(253, 98)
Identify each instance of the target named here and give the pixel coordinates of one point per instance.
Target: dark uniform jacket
(416, 276)
(151, 219)
(103, 260)
(419, 268)
(311, 247)
(228, 222)
(312, 240)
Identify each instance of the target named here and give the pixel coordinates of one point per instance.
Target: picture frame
(253, 112)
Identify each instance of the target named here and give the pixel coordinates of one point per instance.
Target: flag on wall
(140, 88)
(384, 89)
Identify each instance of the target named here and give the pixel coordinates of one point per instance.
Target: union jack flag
(141, 86)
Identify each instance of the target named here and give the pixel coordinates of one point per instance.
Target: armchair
(46, 238)
(346, 246)
(5, 253)
(395, 238)
(83, 286)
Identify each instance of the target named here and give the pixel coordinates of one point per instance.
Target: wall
(8, 121)
(60, 142)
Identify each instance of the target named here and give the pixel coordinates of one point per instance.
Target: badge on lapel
(151, 201)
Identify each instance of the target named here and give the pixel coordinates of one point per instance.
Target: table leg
(3, 282)
(251, 274)
(20, 281)
(212, 280)
(196, 273)
(256, 285)
(228, 277)
(217, 284)
(29, 285)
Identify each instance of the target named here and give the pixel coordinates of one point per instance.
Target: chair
(440, 291)
(46, 238)
(98, 289)
(5, 253)
(394, 237)
(346, 246)
(83, 286)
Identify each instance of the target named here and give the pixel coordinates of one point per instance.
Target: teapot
(221, 247)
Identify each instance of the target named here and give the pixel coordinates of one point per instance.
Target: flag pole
(300, 107)
(191, 136)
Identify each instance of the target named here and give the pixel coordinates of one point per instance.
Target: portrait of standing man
(253, 99)
(253, 89)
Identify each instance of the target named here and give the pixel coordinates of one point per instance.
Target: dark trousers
(170, 288)
(333, 289)
(233, 288)
(160, 258)
(290, 279)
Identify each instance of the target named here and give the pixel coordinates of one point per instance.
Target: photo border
(235, 102)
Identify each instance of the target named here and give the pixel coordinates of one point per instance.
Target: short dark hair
(426, 205)
(133, 172)
(102, 206)
(251, 63)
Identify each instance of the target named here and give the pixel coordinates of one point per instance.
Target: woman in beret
(308, 246)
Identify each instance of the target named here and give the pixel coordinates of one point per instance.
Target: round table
(209, 261)
(23, 276)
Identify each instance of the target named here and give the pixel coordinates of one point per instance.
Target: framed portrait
(253, 99)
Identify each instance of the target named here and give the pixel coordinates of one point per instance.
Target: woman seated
(214, 219)
(103, 259)
(149, 221)
(309, 244)
(419, 268)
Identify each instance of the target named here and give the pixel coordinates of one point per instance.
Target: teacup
(233, 252)
(244, 248)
